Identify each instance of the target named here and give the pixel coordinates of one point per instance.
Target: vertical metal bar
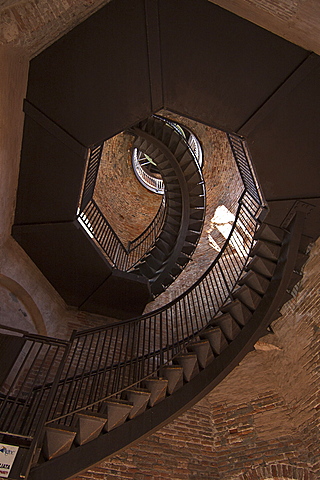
(43, 417)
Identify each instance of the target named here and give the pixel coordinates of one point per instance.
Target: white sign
(7, 455)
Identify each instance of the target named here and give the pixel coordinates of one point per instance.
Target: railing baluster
(105, 360)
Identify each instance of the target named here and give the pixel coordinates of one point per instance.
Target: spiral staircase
(185, 202)
(68, 404)
(72, 403)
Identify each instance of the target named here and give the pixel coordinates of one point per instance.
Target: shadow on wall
(17, 307)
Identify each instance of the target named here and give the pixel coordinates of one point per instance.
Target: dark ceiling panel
(285, 144)
(50, 177)
(219, 68)
(123, 295)
(67, 257)
(94, 81)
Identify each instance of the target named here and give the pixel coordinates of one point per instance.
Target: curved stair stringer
(80, 458)
(185, 198)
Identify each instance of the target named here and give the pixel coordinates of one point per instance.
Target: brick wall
(36, 24)
(128, 206)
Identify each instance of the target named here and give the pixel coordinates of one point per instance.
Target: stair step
(173, 219)
(197, 213)
(182, 261)
(146, 270)
(189, 168)
(163, 164)
(162, 245)
(137, 142)
(266, 249)
(197, 189)
(89, 426)
(181, 149)
(247, 296)
(193, 178)
(255, 281)
(189, 363)
(300, 261)
(275, 316)
(188, 249)
(57, 440)
(157, 388)
(238, 311)
(176, 270)
(195, 225)
(270, 233)
(197, 201)
(117, 412)
(172, 180)
(151, 151)
(166, 134)
(294, 279)
(174, 141)
(262, 266)
(158, 254)
(228, 325)
(156, 288)
(305, 242)
(153, 261)
(192, 238)
(174, 205)
(203, 351)
(174, 375)
(139, 398)
(216, 339)
(144, 145)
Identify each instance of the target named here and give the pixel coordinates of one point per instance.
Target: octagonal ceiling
(131, 59)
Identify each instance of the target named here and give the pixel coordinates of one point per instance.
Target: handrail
(153, 184)
(97, 226)
(246, 168)
(106, 360)
(103, 361)
(94, 222)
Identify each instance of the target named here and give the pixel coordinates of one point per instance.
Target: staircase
(197, 363)
(118, 384)
(69, 404)
(160, 253)
(185, 199)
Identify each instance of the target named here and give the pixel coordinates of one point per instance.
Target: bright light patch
(222, 221)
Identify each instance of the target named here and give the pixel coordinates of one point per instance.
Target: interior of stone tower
(147, 336)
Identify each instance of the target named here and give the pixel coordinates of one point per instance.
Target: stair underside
(197, 381)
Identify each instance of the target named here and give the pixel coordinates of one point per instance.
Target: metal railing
(245, 166)
(153, 184)
(94, 222)
(140, 159)
(106, 360)
(37, 363)
(52, 380)
(92, 219)
(99, 229)
(91, 175)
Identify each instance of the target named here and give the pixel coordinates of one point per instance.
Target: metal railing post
(39, 432)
